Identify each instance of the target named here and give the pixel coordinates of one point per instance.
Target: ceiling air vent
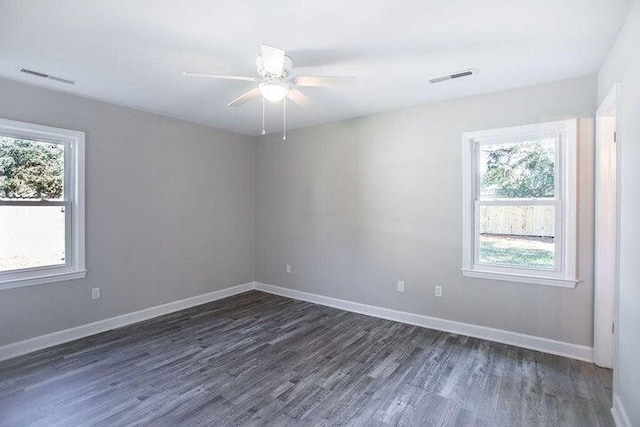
(457, 75)
(47, 76)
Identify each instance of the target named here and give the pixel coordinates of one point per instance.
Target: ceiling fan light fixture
(273, 92)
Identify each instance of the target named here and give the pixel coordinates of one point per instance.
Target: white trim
(564, 274)
(606, 228)
(618, 413)
(49, 340)
(74, 187)
(520, 278)
(616, 303)
(545, 345)
(40, 280)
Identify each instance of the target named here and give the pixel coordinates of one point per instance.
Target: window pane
(524, 170)
(520, 236)
(32, 236)
(31, 169)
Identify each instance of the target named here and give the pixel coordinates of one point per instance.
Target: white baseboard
(49, 340)
(620, 417)
(544, 345)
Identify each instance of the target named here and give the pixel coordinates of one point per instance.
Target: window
(519, 204)
(41, 204)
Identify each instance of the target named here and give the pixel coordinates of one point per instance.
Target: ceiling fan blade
(246, 97)
(298, 97)
(272, 59)
(219, 76)
(326, 81)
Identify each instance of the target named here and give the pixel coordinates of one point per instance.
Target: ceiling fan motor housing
(286, 75)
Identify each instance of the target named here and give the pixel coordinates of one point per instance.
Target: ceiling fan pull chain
(263, 131)
(284, 119)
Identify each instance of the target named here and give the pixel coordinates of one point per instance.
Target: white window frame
(564, 272)
(74, 193)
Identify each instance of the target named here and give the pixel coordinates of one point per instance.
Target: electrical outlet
(288, 268)
(400, 285)
(438, 291)
(95, 293)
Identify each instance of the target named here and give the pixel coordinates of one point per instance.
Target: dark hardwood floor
(259, 359)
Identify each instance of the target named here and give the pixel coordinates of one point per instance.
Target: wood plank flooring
(260, 359)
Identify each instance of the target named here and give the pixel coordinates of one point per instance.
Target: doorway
(606, 229)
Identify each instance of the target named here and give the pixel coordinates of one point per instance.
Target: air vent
(47, 76)
(457, 75)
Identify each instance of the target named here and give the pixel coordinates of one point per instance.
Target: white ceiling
(133, 52)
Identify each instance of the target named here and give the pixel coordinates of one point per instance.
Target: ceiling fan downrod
(263, 130)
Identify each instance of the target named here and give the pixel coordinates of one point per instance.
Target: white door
(606, 230)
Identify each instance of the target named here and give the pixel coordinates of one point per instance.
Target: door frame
(607, 238)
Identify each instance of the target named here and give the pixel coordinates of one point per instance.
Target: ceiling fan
(276, 81)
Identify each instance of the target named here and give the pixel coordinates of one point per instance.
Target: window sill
(41, 279)
(521, 278)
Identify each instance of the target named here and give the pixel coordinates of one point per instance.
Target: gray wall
(170, 212)
(623, 65)
(355, 206)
